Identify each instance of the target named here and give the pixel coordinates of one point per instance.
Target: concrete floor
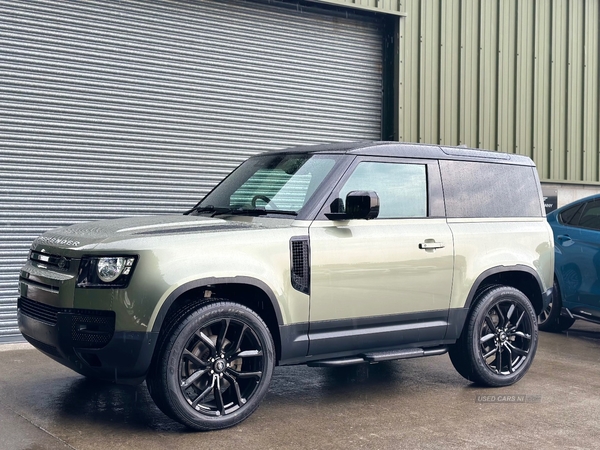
(419, 403)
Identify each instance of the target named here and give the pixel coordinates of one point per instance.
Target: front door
(385, 282)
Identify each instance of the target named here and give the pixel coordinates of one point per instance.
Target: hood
(85, 236)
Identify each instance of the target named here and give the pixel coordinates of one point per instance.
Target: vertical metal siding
(591, 91)
(519, 76)
(115, 108)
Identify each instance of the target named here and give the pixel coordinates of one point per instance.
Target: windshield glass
(277, 183)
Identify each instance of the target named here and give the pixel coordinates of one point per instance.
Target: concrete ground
(419, 403)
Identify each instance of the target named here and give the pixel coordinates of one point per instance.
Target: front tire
(499, 341)
(214, 367)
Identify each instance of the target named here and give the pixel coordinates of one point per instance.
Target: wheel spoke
(193, 377)
(500, 315)
(499, 361)
(207, 341)
(523, 335)
(193, 358)
(236, 388)
(238, 344)
(486, 338)
(203, 394)
(222, 334)
(237, 374)
(516, 350)
(490, 353)
(521, 318)
(510, 312)
(510, 360)
(490, 323)
(249, 353)
(219, 396)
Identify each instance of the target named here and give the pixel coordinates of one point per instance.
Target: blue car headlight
(105, 271)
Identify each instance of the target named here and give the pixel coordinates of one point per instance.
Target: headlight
(109, 269)
(106, 271)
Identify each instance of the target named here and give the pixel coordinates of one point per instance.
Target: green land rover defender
(327, 256)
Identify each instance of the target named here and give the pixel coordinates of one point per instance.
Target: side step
(375, 357)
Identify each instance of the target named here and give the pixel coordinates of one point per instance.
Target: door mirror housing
(359, 205)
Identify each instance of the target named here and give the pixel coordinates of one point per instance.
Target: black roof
(412, 150)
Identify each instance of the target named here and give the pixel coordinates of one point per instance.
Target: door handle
(431, 245)
(565, 240)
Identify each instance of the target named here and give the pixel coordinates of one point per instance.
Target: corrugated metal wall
(131, 107)
(518, 76)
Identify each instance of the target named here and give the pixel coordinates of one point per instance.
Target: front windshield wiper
(208, 208)
(258, 212)
(238, 211)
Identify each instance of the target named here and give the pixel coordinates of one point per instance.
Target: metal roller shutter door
(115, 108)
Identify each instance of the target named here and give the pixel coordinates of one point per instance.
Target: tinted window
(571, 216)
(474, 189)
(402, 188)
(591, 216)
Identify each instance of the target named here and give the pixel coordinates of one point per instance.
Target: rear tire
(550, 319)
(499, 341)
(214, 367)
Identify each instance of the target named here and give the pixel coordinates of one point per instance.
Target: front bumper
(86, 341)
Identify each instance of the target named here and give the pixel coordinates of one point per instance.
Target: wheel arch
(520, 277)
(249, 292)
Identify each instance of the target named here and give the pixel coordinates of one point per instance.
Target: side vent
(300, 260)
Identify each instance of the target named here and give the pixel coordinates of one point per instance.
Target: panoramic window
(402, 188)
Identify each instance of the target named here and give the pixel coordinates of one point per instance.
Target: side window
(476, 189)
(402, 188)
(571, 216)
(591, 216)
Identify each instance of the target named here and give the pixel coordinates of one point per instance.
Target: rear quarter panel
(482, 244)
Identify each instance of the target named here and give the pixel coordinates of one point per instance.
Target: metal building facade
(113, 108)
(518, 76)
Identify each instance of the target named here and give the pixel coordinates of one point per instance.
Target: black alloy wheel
(499, 341)
(215, 368)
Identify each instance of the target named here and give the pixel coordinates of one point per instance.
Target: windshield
(269, 184)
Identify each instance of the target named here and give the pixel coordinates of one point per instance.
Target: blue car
(576, 229)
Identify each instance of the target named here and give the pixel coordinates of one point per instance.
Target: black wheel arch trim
(212, 281)
(505, 269)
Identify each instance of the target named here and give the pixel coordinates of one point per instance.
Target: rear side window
(474, 189)
(571, 216)
(590, 218)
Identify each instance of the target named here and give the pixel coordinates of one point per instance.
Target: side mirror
(359, 205)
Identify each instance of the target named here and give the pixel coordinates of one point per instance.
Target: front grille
(38, 311)
(92, 331)
(300, 253)
(87, 328)
(54, 261)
